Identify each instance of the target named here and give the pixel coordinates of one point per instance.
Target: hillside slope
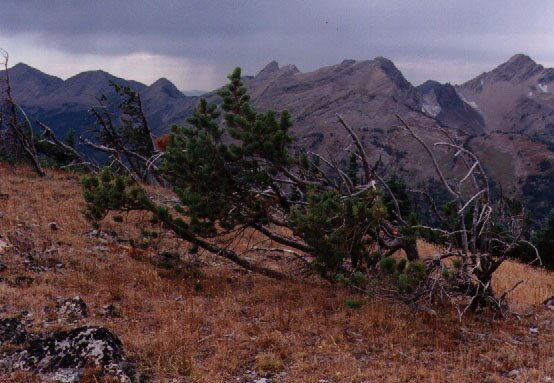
(205, 321)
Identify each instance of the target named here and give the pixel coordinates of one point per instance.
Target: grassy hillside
(205, 321)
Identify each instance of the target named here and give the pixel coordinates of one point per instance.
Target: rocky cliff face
(442, 102)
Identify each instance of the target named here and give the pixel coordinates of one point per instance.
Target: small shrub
(198, 286)
(354, 303)
(358, 279)
(417, 271)
(457, 263)
(268, 363)
(169, 260)
(340, 278)
(414, 273)
(374, 258)
(388, 265)
(401, 266)
(404, 283)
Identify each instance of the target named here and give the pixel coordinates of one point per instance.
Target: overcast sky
(196, 43)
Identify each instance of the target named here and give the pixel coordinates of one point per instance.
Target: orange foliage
(162, 142)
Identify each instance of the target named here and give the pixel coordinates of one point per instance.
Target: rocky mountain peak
(271, 67)
(27, 72)
(90, 75)
(272, 71)
(393, 72)
(518, 67)
(520, 59)
(24, 68)
(163, 85)
(30, 82)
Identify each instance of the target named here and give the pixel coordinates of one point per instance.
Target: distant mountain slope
(517, 96)
(65, 104)
(367, 93)
(443, 102)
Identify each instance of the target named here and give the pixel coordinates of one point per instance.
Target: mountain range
(66, 104)
(505, 115)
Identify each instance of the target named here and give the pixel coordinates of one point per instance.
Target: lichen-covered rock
(73, 309)
(103, 236)
(68, 375)
(110, 310)
(12, 330)
(72, 350)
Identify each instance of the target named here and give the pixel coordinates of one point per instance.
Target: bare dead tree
(477, 250)
(17, 124)
(128, 144)
(79, 160)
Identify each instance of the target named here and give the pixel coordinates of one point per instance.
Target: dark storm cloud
(310, 34)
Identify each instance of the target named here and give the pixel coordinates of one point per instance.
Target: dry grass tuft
(209, 322)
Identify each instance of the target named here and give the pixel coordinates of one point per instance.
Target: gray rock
(65, 353)
(103, 236)
(73, 309)
(38, 263)
(12, 330)
(110, 310)
(67, 375)
(513, 374)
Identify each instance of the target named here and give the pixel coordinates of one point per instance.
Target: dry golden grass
(214, 325)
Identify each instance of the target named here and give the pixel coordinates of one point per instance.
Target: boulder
(73, 309)
(72, 351)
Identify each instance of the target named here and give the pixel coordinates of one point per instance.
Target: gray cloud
(470, 34)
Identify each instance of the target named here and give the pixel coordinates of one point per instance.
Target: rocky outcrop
(64, 353)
